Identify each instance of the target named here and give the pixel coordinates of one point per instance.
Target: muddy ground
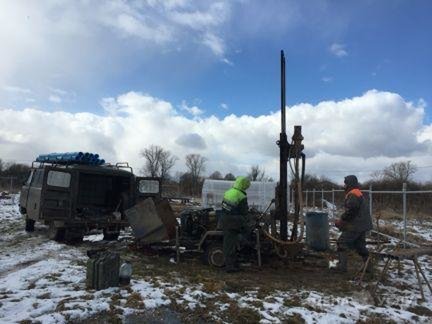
(44, 281)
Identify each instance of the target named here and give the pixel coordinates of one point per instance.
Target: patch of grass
(61, 306)
(376, 319)
(242, 315)
(115, 299)
(32, 285)
(87, 297)
(53, 276)
(234, 286)
(295, 301)
(295, 318)
(134, 301)
(46, 295)
(420, 310)
(263, 292)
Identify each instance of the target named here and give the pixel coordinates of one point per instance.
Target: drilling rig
(290, 154)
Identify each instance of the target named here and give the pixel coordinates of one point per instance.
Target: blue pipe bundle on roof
(86, 158)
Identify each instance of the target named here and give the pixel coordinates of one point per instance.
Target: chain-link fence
(9, 184)
(405, 214)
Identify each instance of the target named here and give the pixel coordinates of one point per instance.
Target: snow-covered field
(44, 281)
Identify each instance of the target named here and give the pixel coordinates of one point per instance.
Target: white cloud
(327, 79)
(224, 106)
(16, 90)
(54, 99)
(357, 135)
(193, 110)
(59, 92)
(67, 41)
(338, 50)
(215, 43)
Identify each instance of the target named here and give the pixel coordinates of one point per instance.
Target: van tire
(110, 236)
(29, 225)
(56, 233)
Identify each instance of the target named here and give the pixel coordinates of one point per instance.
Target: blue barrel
(317, 231)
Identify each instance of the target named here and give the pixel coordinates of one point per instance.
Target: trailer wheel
(29, 225)
(214, 255)
(56, 233)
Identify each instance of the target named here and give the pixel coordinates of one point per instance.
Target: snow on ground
(41, 280)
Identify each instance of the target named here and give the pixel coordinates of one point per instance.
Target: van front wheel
(29, 225)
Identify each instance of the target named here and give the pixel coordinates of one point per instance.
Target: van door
(147, 187)
(57, 194)
(34, 195)
(25, 191)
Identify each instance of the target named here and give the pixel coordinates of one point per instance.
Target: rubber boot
(343, 263)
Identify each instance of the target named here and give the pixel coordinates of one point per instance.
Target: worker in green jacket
(234, 220)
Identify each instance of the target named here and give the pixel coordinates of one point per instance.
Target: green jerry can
(102, 270)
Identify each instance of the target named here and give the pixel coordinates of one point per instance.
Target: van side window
(58, 179)
(148, 186)
(37, 179)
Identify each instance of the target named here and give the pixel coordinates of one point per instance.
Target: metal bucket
(317, 231)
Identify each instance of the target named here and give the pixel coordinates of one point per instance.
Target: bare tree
(195, 163)
(167, 161)
(158, 161)
(256, 173)
(400, 171)
(1, 165)
(377, 175)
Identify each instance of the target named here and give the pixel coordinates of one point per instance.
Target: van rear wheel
(56, 233)
(110, 235)
(29, 225)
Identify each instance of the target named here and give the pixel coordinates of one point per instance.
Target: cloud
(16, 90)
(224, 106)
(338, 50)
(327, 79)
(191, 140)
(54, 99)
(357, 134)
(68, 41)
(193, 110)
(215, 43)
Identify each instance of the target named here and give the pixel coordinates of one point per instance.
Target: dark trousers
(353, 241)
(233, 228)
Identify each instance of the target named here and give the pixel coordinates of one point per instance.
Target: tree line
(18, 172)
(159, 162)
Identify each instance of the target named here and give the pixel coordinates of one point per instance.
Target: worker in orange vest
(354, 223)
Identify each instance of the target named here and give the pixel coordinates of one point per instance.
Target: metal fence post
(307, 198)
(404, 208)
(370, 200)
(313, 198)
(322, 198)
(333, 197)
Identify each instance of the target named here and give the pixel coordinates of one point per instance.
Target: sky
(202, 77)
